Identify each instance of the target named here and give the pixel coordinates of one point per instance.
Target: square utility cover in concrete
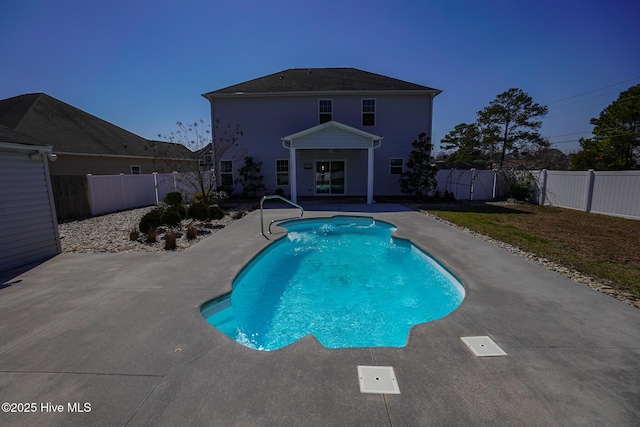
(483, 346)
(378, 379)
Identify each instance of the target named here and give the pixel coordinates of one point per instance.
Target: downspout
(370, 175)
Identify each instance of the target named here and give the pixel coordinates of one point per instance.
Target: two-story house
(324, 131)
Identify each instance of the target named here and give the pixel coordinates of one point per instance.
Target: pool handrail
(275, 196)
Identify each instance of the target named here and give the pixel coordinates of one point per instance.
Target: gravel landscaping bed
(111, 233)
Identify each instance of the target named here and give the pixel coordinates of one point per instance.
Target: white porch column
(370, 174)
(292, 173)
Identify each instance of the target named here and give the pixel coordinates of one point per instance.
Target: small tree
(467, 142)
(420, 177)
(250, 178)
(508, 123)
(197, 137)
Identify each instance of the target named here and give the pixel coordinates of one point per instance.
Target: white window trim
(139, 170)
(319, 112)
(390, 166)
(279, 172)
(227, 173)
(362, 112)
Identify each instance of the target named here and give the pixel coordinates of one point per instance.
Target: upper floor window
(282, 172)
(135, 170)
(368, 112)
(325, 110)
(395, 166)
(226, 173)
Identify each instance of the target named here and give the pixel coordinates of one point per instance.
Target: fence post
(175, 183)
(155, 186)
(494, 191)
(543, 187)
(124, 192)
(588, 197)
(473, 178)
(91, 194)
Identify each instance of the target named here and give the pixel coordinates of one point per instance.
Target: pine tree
(420, 177)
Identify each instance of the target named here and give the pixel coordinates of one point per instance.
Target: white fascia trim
(26, 147)
(334, 124)
(125, 157)
(433, 92)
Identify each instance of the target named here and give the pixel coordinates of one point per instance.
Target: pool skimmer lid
(378, 379)
(483, 346)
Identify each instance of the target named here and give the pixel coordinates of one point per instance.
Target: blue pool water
(343, 279)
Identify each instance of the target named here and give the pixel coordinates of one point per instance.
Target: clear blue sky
(143, 64)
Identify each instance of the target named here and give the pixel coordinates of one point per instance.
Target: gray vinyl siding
(400, 118)
(28, 228)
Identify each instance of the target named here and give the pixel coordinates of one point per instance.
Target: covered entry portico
(332, 174)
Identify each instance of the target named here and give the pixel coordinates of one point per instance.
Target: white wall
(28, 225)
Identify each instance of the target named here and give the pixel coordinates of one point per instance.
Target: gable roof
(71, 130)
(335, 125)
(320, 80)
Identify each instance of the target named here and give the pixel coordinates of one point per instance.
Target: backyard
(604, 247)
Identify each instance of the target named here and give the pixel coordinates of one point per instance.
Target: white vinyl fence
(474, 185)
(112, 193)
(611, 193)
(614, 193)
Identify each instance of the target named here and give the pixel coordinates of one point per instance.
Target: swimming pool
(343, 279)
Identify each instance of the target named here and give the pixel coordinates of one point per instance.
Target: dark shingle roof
(9, 135)
(320, 80)
(71, 130)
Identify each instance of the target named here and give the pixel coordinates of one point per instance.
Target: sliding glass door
(330, 176)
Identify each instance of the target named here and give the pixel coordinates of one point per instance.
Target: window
(368, 112)
(226, 173)
(395, 166)
(135, 170)
(282, 172)
(325, 110)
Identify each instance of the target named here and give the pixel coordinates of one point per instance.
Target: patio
(123, 332)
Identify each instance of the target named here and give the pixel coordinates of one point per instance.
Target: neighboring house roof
(320, 80)
(11, 136)
(71, 130)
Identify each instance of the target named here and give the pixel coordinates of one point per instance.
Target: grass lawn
(600, 246)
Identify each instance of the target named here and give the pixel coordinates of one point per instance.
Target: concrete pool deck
(123, 333)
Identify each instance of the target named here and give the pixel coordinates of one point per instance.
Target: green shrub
(172, 217)
(215, 212)
(173, 199)
(181, 210)
(199, 211)
(152, 219)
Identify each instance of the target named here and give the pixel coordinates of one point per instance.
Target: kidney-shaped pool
(343, 279)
